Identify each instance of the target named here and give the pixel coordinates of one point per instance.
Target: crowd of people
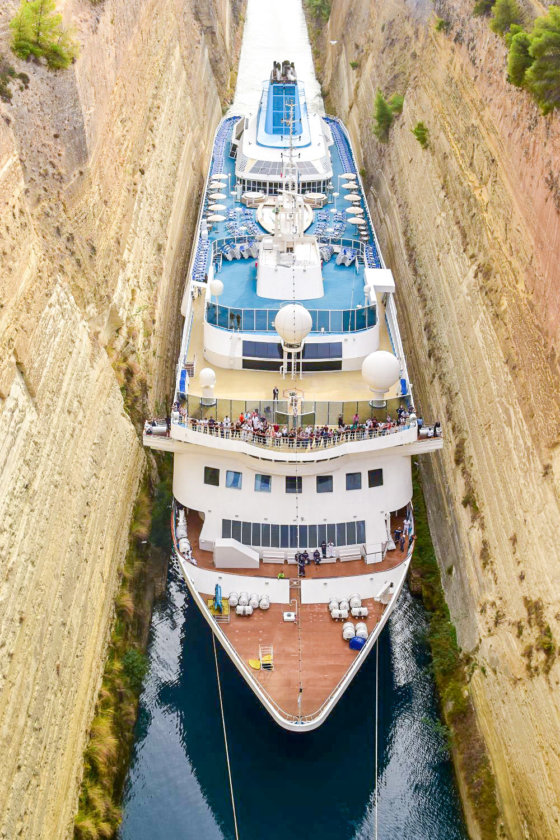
(303, 559)
(254, 427)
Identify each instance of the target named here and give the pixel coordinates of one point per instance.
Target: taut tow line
(225, 738)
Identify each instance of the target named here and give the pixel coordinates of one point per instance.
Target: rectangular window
(351, 533)
(246, 533)
(375, 478)
(331, 533)
(236, 530)
(321, 534)
(293, 536)
(275, 536)
(212, 476)
(265, 535)
(354, 481)
(263, 483)
(233, 479)
(361, 531)
(293, 484)
(341, 533)
(226, 528)
(256, 534)
(284, 536)
(313, 536)
(324, 484)
(303, 536)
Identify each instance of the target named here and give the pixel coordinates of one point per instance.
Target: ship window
(293, 484)
(226, 529)
(236, 530)
(303, 536)
(263, 483)
(246, 533)
(321, 534)
(341, 534)
(284, 536)
(293, 536)
(324, 484)
(212, 476)
(233, 479)
(275, 536)
(256, 535)
(313, 535)
(375, 478)
(351, 533)
(354, 481)
(361, 531)
(331, 533)
(265, 535)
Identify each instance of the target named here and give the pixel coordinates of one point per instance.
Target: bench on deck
(350, 552)
(273, 555)
(373, 552)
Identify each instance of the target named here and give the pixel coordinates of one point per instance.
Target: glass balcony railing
(262, 320)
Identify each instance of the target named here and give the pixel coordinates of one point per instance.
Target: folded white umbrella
(215, 217)
(217, 195)
(357, 210)
(217, 207)
(348, 175)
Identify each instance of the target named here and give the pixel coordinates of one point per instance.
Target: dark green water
(317, 785)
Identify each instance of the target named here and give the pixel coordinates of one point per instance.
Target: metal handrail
(272, 442)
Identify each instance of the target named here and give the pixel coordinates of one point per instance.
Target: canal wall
(471, 228)
(101, 168)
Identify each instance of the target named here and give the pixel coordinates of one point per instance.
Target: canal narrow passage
(319, 785)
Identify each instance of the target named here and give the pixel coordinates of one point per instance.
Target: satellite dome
(293, 323)
(381, 370)
(207, 378)
(216, 287)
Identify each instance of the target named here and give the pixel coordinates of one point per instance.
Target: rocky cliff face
(101, 168)
(471, 228)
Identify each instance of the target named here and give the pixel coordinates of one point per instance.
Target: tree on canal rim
(37, 30)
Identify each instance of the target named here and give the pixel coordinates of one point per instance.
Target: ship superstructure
(292, 425)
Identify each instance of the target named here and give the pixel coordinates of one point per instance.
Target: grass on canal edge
(451, 674)
(107, 755)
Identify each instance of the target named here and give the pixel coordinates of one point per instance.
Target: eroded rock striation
(101, 169)
(471, 228)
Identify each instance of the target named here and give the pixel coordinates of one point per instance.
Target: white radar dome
(293, 323)
(216, 287)
(380, 370)
(207, 378)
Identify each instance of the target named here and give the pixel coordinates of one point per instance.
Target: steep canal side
(100, 172)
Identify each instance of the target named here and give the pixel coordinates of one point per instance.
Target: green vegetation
(519, 59)
(320, 8)
(452, 671)
(354, 65)
(8, 76)
(384, 113)
(483, 7)
(505, 13)
(37, 31)
(421, 133)
(111, 735)
(442, 25)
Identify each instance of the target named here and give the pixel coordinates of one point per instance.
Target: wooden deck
(345, 568)
(310, 654)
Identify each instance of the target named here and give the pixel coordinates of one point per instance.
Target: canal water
(286, 786)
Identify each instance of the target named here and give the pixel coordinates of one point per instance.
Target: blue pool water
(286, 785)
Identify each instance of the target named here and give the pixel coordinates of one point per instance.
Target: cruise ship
(292, 427)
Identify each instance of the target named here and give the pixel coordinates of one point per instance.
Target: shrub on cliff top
(504, 14)
(37, 30)
(421, 133)
(534, 59)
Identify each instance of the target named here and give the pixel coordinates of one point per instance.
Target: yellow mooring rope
(225, 738)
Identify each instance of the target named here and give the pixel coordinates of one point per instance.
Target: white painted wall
(321, 590)
(224, 348)
(204, 580)
(279, 507)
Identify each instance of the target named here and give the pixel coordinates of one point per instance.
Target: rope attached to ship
(375, 796)
(225, 739)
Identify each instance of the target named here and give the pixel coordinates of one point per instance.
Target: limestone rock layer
(101, 169)
(471, 228)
